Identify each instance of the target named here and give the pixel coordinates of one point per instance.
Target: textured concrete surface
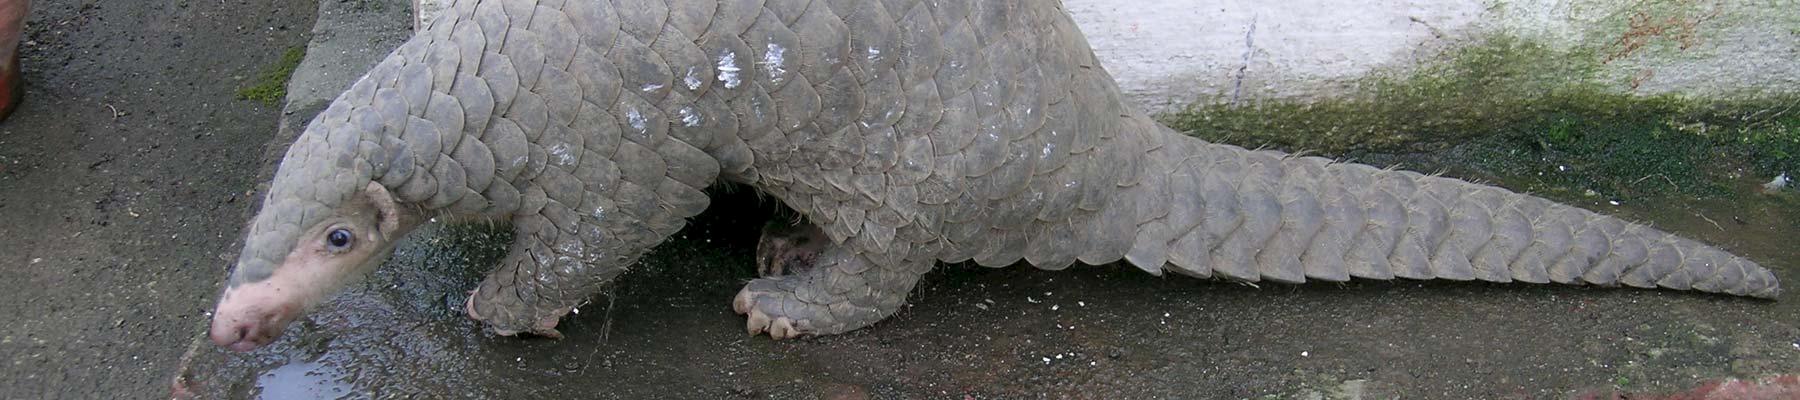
(124, 177)
(1172, 52)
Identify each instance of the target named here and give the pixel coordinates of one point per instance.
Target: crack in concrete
(1237, 88)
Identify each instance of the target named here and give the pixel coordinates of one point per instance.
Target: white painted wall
(1171, 52)
(1167, 53)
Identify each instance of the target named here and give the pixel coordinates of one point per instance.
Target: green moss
(1509, 108)
(1473, 86)
(271, 87)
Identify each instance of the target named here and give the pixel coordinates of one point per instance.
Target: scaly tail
(1265, 215)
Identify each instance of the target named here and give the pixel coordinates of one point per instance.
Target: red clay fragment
(1777, 387)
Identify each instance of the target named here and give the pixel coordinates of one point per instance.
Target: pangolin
(910, 132)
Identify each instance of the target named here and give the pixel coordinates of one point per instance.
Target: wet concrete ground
(110, 307)
(1097, 332)
(123, 184)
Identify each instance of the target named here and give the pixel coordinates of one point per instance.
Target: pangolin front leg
(521, 295)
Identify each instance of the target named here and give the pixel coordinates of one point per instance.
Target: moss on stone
(1474, 86)
(271, 86)
(1509, 107)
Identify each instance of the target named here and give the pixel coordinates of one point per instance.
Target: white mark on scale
(638, 121)
(689, 117)
(874, 53)
(773, 59)
(692, 80)
(728, 70)
(652, 87)
(563, 156)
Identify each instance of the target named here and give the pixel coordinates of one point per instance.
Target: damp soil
(122, 184)
(118, 226)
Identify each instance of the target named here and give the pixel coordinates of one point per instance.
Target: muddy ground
(125, 178)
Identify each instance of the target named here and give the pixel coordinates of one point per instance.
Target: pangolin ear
(388, 211)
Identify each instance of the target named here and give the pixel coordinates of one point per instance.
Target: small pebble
(1780, 182)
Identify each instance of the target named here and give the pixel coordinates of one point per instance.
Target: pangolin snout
(246, 329)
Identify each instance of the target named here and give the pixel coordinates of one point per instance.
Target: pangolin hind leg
(788, 246)
(842, 291)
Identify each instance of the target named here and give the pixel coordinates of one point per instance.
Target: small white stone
(1780, 182)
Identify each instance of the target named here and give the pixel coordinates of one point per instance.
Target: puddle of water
(303, 381)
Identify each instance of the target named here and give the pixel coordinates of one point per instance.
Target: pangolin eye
(339, 239)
